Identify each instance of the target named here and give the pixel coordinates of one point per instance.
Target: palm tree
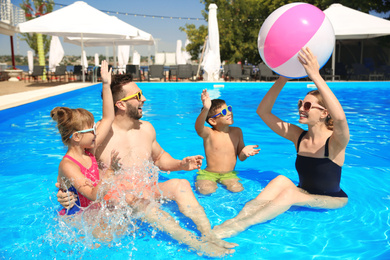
(38, 42)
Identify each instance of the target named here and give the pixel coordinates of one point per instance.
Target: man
(135, 142)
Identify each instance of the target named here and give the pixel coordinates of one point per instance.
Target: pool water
(31, 150)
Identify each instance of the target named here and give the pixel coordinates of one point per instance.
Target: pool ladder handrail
(94, 74)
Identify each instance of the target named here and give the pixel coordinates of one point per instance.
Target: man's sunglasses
(224, 111)
(93, 129)
(138, 95)
(308, 105)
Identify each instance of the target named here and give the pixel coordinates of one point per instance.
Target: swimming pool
(31, 150)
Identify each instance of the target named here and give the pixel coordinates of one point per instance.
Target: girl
(78, 171)
(320, 154)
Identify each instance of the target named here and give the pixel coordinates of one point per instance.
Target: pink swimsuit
(92, 174)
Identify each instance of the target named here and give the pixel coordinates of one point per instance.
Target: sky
(165, 31)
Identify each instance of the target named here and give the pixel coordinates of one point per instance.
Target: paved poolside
(14, 94)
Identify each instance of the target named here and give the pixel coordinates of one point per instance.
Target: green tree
(39, 8)
(196, 36)
(239, 22)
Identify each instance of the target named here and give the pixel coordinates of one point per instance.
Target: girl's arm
(264, 110)
(340, 126)
(70, 175)
(200, 128)
(108, 105)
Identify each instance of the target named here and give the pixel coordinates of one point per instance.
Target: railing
(11, 14)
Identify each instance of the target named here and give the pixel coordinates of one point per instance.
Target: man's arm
(165, 162)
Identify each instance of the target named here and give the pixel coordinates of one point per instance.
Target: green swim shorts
(216, 177)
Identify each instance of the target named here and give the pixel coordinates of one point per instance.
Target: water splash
(104, 224)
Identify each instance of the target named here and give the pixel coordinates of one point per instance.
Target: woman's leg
(270, 192)
(277, 197)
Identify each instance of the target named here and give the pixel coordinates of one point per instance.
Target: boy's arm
(245, 151)
(200, 128)
(108, 105)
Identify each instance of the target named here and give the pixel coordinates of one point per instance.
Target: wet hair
(215, 104)
(328, 120)
(117, 83)
(71, 120)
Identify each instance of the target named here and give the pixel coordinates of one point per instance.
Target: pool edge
(22, 98)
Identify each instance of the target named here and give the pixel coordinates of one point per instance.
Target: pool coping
(22, 98)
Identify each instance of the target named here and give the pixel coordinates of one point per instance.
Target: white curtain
(56, 53)
(30, 60)
(170, 58)
(123, 57)
(212, 60)
(96, 59)
(179, 53)
(136, 58)
(160, 58)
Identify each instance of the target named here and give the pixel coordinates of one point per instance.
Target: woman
(320, 155)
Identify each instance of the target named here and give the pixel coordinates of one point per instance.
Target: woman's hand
(309, 62)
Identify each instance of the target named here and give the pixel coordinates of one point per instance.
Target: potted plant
(14, 74)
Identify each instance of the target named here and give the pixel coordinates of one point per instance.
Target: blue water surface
(31, 150)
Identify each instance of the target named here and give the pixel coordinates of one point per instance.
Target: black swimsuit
(319, 176)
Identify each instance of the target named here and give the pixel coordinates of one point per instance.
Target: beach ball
(290, 28)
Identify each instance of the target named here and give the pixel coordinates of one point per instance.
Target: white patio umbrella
(84, 61)
(96, 59)
(179, 53)
(79, 20)
(123, 57)
(56, 53)
(30, 60)
(212, 60)
(142, 39)
(186, 54)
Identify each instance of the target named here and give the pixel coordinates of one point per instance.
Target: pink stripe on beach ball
(290, 32)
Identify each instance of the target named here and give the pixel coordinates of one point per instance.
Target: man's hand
(66, 199)
(191, 163)
(106, 74)
(115, 165)
(250, 150)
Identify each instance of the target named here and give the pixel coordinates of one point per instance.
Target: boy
(222, 144)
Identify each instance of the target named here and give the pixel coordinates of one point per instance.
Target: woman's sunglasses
(308, 105)
(93, 129)
(138, 95)
(224, 111)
